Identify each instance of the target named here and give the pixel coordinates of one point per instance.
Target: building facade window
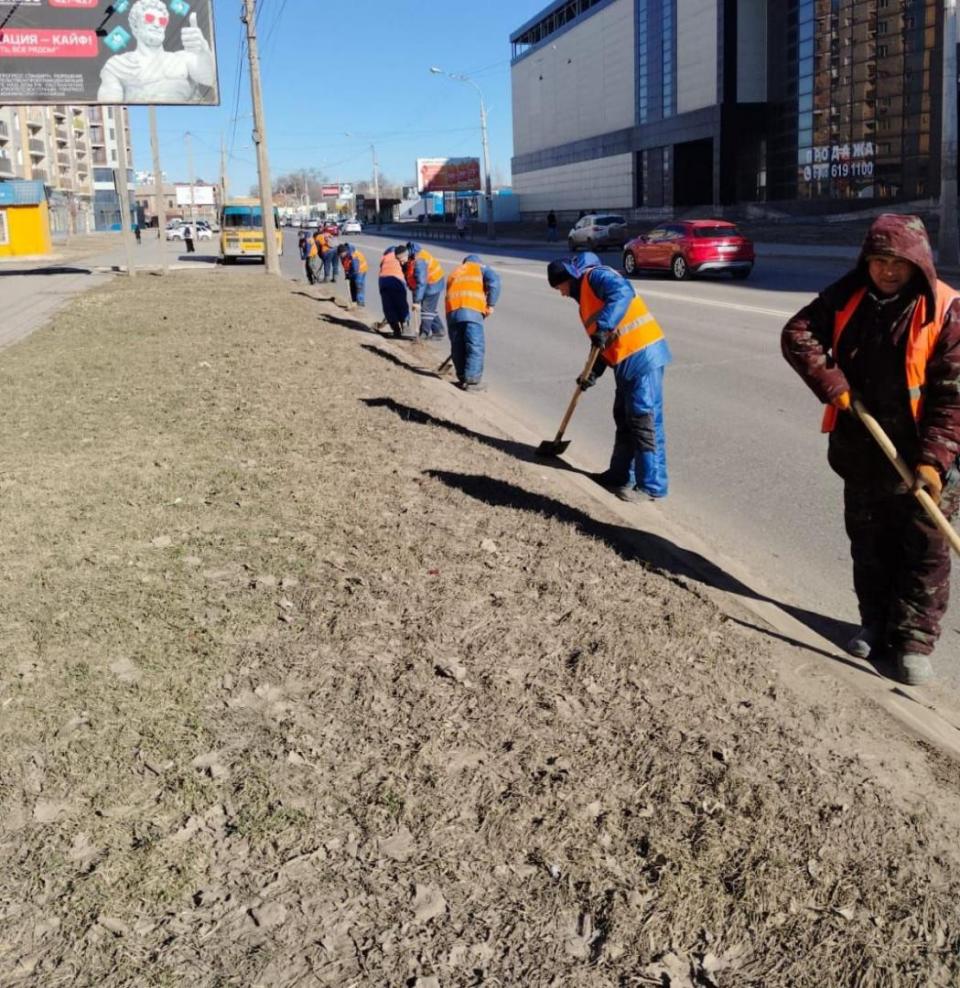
(667, 46)
(643, 64)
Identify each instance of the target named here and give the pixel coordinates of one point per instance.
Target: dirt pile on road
(306, 677)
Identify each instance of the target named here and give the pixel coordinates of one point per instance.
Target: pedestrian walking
(473, 290)
(426, 280)
(551, 225)
(355, 271)
(888, 333)
(629, 340)
(461, 225)
(136, 232)
(188, 238)
(393, 292)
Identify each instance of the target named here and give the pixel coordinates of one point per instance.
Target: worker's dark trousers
(901, 563)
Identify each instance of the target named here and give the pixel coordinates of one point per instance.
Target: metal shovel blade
(553, 447)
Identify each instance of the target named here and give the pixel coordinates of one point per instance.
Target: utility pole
(491, 225)
(376, 184)
(123, 190)
(223, 171)
(193, 215)
(160, 208)
(948, 254)
(271, 258)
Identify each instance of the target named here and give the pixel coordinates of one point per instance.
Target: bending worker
(327, 253)
(393, 292)
(472, 291)
(426, 280)
(355, 271)
(888, 332)
(310, 255)
(631, 342)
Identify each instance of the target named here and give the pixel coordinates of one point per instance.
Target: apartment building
(621, 104)
(73, 151)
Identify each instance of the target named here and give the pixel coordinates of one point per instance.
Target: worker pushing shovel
(881, 348)
(623, 335)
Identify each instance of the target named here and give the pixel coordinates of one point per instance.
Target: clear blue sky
(357, 66)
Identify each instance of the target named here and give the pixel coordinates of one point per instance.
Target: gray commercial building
(631, 104)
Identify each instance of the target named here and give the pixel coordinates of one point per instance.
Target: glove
(928, 478)
(600, 340)
(842, 401)
(587, 381)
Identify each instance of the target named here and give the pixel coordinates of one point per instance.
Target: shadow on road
(44, 271)
(636, 545)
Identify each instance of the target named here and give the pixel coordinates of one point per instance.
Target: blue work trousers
(330, 264)
(467, 348)
(639, 457)
(430, 322)
(358, 288)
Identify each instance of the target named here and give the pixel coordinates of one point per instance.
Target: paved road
(747, 460)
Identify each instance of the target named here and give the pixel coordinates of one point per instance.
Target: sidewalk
(311, 672)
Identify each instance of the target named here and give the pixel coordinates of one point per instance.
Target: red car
(332, 228)
(690, 247)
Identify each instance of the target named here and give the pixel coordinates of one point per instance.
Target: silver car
(598, 230)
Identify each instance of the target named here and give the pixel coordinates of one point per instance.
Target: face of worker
(889, 274)
(564, 288)
(148, 21)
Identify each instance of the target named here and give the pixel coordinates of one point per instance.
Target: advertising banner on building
(448, 174)
(93, 51)
(329, 191)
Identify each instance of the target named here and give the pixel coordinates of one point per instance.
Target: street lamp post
(459, 77)
(948, 240)
(376, 178)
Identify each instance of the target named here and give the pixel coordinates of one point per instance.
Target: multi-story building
(73, 151)
(621, 104)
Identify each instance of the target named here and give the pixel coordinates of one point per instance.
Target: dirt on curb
(308, 677)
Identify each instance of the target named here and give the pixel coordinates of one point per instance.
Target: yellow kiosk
(24, 219)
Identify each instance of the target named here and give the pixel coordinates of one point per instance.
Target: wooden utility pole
(160, 208)
(271, 257)
(123, 190)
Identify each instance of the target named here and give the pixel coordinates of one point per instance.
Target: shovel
(929, 505)
(558, 446)
(443, 367)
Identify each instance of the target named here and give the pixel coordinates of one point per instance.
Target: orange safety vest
(360, 260)
(323, 242)
(921, 339)
(465, 289)
(636, 330)
(409, 274)
(390, 266)
(434, 271)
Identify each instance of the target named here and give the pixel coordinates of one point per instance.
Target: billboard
(94, 51)
(329, 191)
(448, 174)
(202, 195)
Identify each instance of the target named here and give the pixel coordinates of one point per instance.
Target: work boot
(605, 479)
(863, 641)
(473, 386)
(632, 495)
(914, 669)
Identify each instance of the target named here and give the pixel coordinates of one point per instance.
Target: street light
(376, 177)
(460, 77)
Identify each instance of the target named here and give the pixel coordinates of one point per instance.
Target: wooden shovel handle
(587, 368)
(929, 505)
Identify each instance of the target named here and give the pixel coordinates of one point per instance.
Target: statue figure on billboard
(150, 73)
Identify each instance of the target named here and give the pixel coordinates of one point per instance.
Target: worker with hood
(355, 271)
(629, 340)
(888, 333)
(426, 280)
(310, 256)
(473, 290)
(393, 292)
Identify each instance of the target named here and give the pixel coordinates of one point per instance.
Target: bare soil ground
(307, 677)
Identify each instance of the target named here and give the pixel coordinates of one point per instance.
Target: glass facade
(668, 39)
(643, 63)
(862, 98)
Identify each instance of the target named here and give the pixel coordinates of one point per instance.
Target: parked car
(174, 221)
(690, 247)
(351, 226)
(598, 230)
(201, 232)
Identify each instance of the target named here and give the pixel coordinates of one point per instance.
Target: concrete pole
(949, 248)
(376, 184)
(160, 208)
(123, 189)
(223, 171)
(491, 224)
(271, 257)
(193, 206)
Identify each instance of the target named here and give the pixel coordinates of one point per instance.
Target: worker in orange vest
(630, 341)
(473, 290)
(328, 254)
(888, 332)
(355, 271)
(393, 292)
(426, 280)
